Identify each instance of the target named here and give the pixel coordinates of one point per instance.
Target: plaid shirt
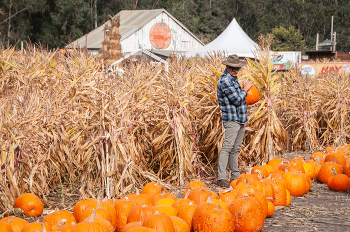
(232, 99)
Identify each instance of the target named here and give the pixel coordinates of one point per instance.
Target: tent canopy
(233, 40)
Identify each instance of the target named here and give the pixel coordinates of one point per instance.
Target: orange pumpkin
(233, 183)
(104, 205)
(166, 209)
(160, 222)
(347, 170)
(139, 213)
(288, 197)
(253, 96)
(336, 158)
(279, 194)
(326, 171)
(196, 184)
(15, 223)
(103, 213)
(30, 204)
(79, 208)
(229, 195)
(103, 222)
(89, 225)
(277, 174)
(141, 229)
(214, 219)
(242, 210)
(5, 227)
(162, 195)
(260, 171)
(127, 227)
(199, 195)
(152, 188)
(179, 224)
(270, 209)
(309, 170)
(186, 213)
(123, 208)
(35, 227)
(296, 184)
(338, 182)
(67, 227)
(319, 154)
(276, 163)
(180, 202)
(53, 219)
(262, 200)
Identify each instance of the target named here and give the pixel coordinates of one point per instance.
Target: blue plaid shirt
(232, 99)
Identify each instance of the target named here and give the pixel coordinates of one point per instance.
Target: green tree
(287, 39)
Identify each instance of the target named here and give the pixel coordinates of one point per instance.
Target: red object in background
(160, 36)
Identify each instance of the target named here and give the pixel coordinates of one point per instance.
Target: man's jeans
(234, 133)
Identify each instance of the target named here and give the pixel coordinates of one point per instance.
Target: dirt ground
(319, 210)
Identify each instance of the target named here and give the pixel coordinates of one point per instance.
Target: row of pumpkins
(242, 207)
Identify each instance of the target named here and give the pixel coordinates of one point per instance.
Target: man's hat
(233, 61)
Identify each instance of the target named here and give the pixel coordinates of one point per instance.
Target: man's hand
(247, 85)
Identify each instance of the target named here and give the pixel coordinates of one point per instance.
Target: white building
(153, 30)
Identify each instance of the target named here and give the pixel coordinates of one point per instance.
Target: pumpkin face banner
(160, 36)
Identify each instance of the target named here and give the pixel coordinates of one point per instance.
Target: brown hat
(233, 61)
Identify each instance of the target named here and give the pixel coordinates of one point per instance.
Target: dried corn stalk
(269, 137)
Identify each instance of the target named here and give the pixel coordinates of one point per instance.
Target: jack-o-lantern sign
(160, 36)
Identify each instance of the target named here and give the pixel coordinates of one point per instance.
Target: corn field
(65, 120)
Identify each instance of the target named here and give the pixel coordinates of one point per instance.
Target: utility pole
(317, 42)
(332, 34)
(95, 13)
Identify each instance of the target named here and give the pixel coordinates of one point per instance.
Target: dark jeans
(234, 133)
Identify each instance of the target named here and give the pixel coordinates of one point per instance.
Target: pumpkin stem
(227, 190)
(137, 191)
(44, 229)
(334, 172)
(210, 199)
(191, 203)
(251, 191)
(201, 188)
(260, 175)
(188, 193)
(93, 215)
(157, 212)
(11, 220)
(62, 222)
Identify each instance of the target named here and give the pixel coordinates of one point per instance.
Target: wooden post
(334, 42)
(317, 42)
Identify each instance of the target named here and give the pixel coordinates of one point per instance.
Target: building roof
(319, 51)
(130, 22)
(233, 40)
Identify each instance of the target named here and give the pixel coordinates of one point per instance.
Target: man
(234, 116)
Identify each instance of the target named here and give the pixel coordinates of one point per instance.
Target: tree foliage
(53, 23)
(287, 39)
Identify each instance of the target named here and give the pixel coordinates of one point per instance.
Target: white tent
(233, 40)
